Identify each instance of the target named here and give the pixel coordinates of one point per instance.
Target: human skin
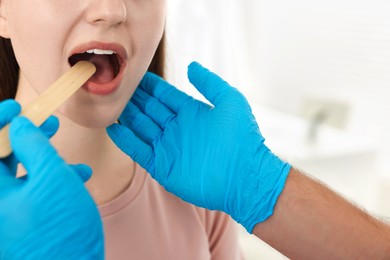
(44, 34)
(312, 222)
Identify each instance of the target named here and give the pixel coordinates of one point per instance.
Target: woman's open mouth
(109, 62)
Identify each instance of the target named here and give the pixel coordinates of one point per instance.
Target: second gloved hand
(211, 156)
(47, 214)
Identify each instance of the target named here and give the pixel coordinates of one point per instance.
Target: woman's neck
(112, 169)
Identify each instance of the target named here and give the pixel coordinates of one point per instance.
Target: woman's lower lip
(107, 88)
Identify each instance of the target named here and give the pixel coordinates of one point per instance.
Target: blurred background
(317, 75)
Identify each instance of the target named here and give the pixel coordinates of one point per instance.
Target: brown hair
(9, 68)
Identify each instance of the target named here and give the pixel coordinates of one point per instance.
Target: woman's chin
(93, 123)
(89, 120)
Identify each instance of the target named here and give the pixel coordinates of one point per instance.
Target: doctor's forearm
(311, 221)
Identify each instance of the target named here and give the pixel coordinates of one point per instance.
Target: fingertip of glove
(148, 79)
(50, 126)
(109, 128)
(197, 74)
(85, 172)
(145, 78)
(195, 65)
(112, 130)
(11, 103)
(193, 68)
(53, 120)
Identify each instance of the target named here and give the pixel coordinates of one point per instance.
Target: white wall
(338, 49)
(279, 52)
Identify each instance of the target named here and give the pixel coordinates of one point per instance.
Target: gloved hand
(211, 156)
(48, 214)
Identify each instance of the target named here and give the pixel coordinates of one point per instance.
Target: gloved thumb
(210, 85)
(50, 126)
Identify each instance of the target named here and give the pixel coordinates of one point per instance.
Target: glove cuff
(262, 194)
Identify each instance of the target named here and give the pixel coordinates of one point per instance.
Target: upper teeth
(101, 52)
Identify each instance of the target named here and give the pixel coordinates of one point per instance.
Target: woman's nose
(107, 12)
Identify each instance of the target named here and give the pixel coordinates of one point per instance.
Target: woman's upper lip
(117, 48)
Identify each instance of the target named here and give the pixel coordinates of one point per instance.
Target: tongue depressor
(52, 98)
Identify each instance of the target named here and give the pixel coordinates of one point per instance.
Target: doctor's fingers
(216, 90)
(50, 126)
(8, 110)
(82, 170)
(33, 149)
(140, 124)
(165, 93)
(152, 108)
(8, 165)
(132, 145)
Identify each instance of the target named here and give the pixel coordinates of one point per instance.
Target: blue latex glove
(47, 214)
(211, 156)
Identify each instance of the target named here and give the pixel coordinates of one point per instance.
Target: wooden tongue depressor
(52, 98)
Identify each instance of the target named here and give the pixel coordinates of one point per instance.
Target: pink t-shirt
(146, 222)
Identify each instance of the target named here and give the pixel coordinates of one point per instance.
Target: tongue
(104, 70)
